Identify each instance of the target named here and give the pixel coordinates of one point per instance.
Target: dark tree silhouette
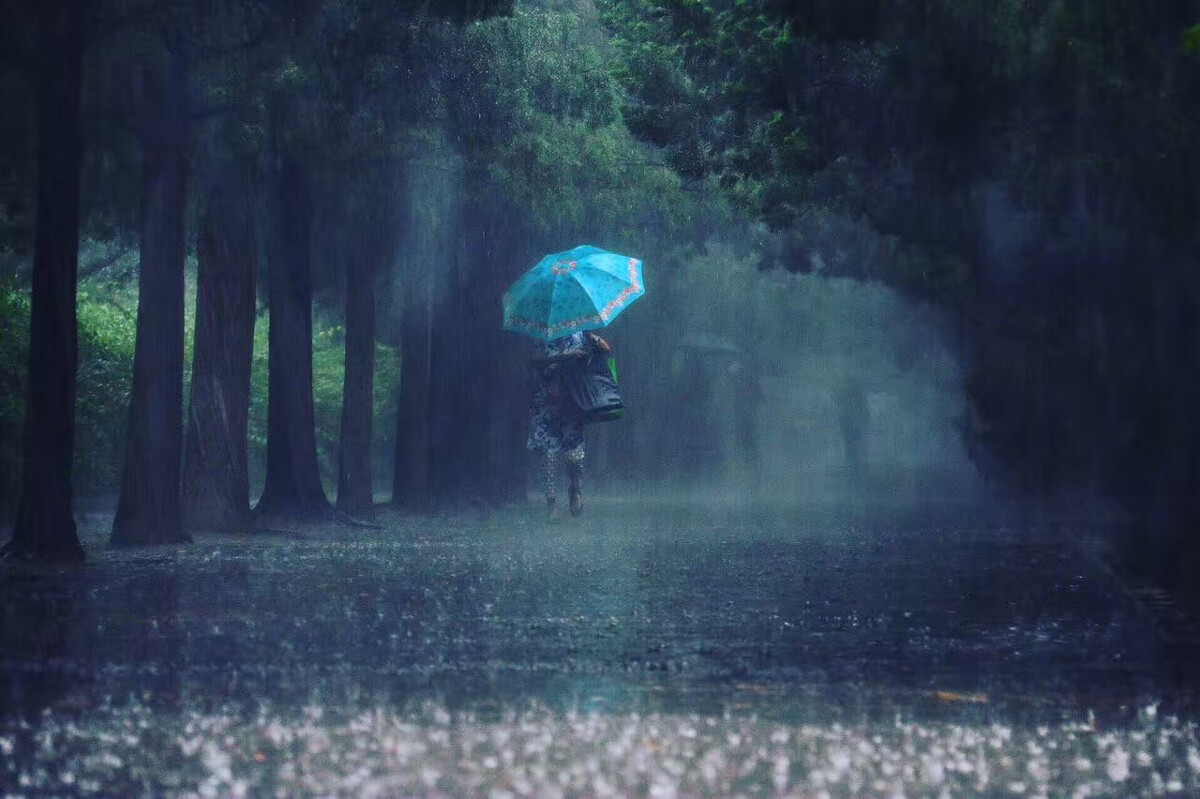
(354, 454)
(293, 487)
(216, 492)
(371, 233)
(148, 511)
(45, 528)
(411, 486)
(475, 372)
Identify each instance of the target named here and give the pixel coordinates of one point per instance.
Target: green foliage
(706, 82)
(507, 72)
(14, 360)
(1116, 112)
(386, 407)
(107, 333)
(16, 171)
(803, 109)
(341, 75)
(107, 325)
(1067, 388)
(534, 105)
(256, 433)
(329, 363)
(329, 352)
(566, 174)
(107, 312)
(908, 119)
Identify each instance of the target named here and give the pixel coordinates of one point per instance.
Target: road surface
(650, 647)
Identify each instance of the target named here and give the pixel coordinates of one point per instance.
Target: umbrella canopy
(579, 289)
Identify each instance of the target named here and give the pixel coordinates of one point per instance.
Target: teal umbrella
(580, 289)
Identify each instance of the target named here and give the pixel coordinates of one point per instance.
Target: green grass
(107, 312)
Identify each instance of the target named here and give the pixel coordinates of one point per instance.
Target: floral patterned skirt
(552, 427)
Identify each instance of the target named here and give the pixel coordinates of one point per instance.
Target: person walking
(556, 426)
(556, 302)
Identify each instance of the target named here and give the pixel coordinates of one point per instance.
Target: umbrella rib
(599, 302)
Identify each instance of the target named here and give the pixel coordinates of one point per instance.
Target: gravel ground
(650, 648)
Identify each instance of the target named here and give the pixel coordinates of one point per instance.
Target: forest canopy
(307, 212)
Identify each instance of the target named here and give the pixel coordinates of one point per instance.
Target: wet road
(795, 635)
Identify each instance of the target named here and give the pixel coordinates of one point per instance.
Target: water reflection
(143, 636)
(38, 640)
(639, 606)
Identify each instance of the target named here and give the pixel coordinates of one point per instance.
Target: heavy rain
(599, 397)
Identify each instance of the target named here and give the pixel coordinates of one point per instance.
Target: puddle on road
(851, 630)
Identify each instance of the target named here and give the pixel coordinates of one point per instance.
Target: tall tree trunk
(472, 384)
(293, 485)
(216, 492)
(354, 455)
(457, 441)
(506, 362)
(505, 480)
(457, 420)
(411, 488)
(148, 511)
(45, 527)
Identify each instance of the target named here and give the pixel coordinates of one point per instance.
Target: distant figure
(748, 396)
(854, 418)
(555, 427)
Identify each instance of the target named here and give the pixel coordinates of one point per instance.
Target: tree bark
(510, 373)
(45, 528)
(464, 393)
(216, 492)
(293, 488)
(354, 454)
(149, 510)
(411, 488)
(473, 382)
(459, 413)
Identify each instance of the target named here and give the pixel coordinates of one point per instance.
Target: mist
(758, 385)
(599, 397)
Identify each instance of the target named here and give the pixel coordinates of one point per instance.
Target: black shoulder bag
(592, 386)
